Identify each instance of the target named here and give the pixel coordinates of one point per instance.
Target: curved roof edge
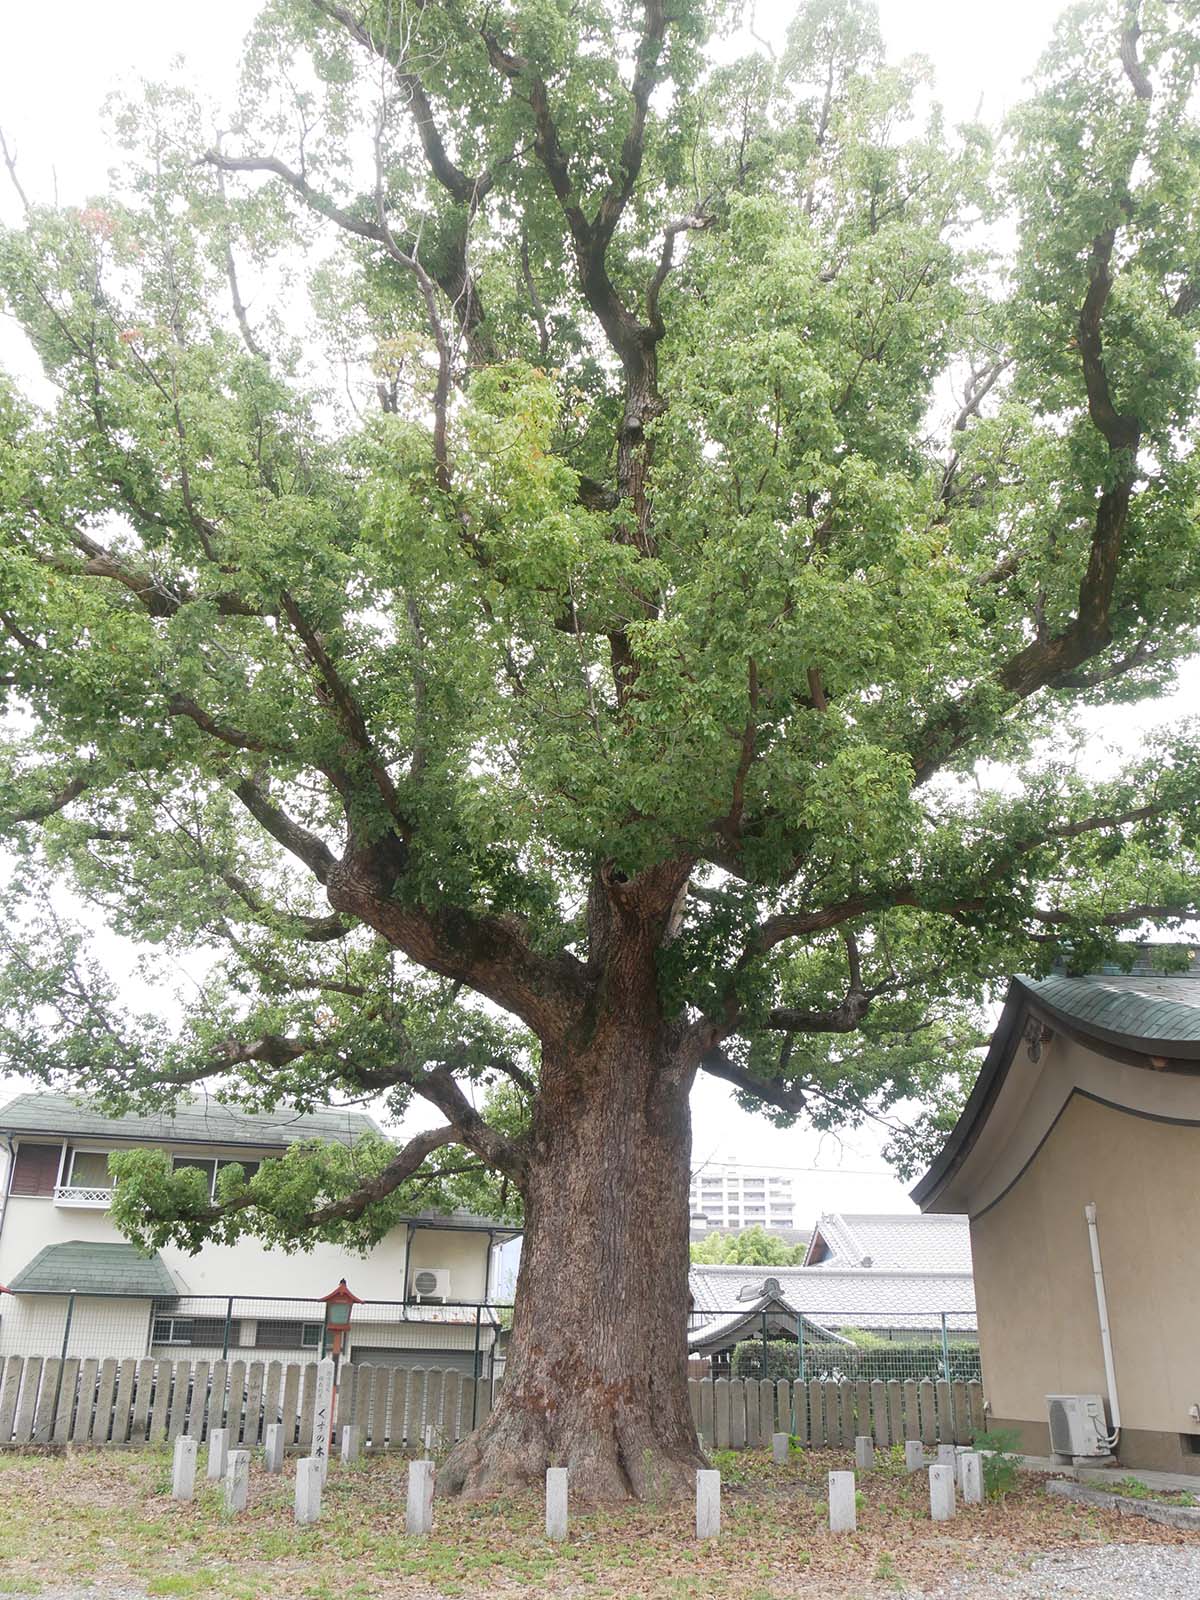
(1117, 1020)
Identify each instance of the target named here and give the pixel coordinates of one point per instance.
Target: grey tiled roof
(779, 1311)
(837, 1297)
(93, 1269)
(911, 1243)
(196, 1120)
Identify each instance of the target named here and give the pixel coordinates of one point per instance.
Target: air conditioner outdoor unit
(1078, 1425)
(431, 1285)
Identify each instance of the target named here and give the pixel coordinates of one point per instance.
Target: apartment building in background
(729, 1196)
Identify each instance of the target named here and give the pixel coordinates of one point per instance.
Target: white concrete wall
(248, 1268)
(33, 1325)
(464, 1255)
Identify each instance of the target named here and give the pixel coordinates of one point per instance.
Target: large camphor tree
(556, 555)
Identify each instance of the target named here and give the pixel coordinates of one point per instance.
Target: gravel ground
(1110, 1572)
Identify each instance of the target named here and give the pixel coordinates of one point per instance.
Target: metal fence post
(765, 1372)
(228, 1326)
(67, 1324)
(800, 1347)
(945, 1350)
(475, 1369)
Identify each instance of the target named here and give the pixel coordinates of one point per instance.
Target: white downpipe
(1110, 1371)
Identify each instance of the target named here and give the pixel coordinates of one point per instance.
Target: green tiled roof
(93, 1269)
(1151, 1010)
(196, 1120)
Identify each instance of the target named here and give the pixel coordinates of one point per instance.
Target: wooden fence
(134, 1403)
(743, 1413)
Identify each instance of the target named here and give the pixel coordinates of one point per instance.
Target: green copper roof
(93, 1269)
(1144, 1009)
(196, 1120)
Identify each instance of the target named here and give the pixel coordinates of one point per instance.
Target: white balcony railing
(67, 1194)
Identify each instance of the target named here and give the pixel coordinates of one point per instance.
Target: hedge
(830, 1361)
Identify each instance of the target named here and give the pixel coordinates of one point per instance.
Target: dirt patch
(105, 1522)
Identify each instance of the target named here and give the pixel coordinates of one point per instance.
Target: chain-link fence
(466, 1337)
(471, 1337)
(852, 1346)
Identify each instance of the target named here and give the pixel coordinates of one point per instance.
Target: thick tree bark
(596, 1376)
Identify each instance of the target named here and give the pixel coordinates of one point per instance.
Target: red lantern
(339, 1306)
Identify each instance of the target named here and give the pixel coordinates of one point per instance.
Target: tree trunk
(596, 1375)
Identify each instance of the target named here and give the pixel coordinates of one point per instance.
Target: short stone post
(273, 1447)
(843, 1511)
(218, 1452)
(941, 1492)
(183, 1470)
(864, 1452)
(914, 1455)
(323, 1415)
(947, 1455)
(237, 1480)
(351, 1442)
(309, 1479)
(418, 1517)
(556, 1502)
(779, 1448)
(708, 1505)
(972, 1477)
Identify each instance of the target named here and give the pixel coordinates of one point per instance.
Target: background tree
(750, 1247)
(489, 581)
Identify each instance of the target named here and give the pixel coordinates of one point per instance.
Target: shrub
(884, 1360)
(1000, 1458)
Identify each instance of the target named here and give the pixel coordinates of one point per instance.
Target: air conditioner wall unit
(1078, 1425)
(431, 1285)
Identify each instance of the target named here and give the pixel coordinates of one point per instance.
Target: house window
(35, 1169)
(288, 1336)
(189, 1330)
(210, 1167)
(89, 1170)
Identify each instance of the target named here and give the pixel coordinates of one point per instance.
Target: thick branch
(787, 1097)
(55, 802)
(298, 841)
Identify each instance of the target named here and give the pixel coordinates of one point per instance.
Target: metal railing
(468, 1334)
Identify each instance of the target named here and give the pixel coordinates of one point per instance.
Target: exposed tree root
(610, 1458)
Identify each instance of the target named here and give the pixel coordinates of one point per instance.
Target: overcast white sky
(57, 67)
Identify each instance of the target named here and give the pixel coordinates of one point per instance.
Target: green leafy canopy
(544, 524)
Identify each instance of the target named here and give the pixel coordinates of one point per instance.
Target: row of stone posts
(954, 1468)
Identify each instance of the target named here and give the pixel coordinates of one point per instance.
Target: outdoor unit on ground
(1078, 1425)
(431, 1286)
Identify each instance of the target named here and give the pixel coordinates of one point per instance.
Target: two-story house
(73, 1285)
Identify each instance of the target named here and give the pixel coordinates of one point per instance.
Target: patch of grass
(106, 1513)
(1135, 1489)
(182, 1583)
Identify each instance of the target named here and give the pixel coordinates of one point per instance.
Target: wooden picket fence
(135, 1403)
(743, 1413)
(131, 1403)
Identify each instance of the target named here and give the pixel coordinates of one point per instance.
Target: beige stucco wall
(1035, 1292)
